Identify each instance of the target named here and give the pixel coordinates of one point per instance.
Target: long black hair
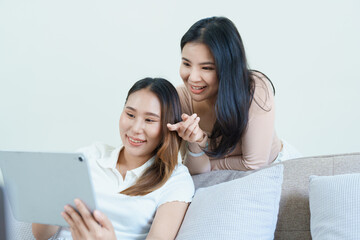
(236, 85)
(167, 152)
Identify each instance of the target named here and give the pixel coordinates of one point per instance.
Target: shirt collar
(111, 161)
(140, 170)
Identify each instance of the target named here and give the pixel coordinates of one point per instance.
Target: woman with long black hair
(235, 104)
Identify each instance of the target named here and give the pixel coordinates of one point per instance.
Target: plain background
(66, 66)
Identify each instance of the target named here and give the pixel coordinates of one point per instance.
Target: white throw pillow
(335, 207)
(245, 208)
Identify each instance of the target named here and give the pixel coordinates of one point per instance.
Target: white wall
(66, 66)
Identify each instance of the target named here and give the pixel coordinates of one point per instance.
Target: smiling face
(140, 124)
(198, 72)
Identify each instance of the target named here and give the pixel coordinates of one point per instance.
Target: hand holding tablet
(40, 184)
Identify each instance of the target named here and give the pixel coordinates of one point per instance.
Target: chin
(197, 97)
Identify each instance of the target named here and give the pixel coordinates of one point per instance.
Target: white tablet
(40, 184)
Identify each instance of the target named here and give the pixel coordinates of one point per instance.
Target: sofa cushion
(294, 213)
(335, 206)
(245, 208)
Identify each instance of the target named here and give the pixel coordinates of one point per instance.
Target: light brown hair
(166, 154)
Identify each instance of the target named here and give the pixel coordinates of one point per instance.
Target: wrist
(194, 149)
(203, 141)
(197, 148)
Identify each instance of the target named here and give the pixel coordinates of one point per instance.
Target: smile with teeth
(197, 88)
(136, 141)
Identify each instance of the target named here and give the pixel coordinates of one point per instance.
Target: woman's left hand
(84, 225)
(188, 129)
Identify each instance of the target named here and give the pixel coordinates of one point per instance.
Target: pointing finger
(173, 127)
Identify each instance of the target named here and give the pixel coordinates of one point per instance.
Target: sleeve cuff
(196, 149)
(204, 143)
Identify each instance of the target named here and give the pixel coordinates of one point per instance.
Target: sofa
(292, 207)
(293, 220)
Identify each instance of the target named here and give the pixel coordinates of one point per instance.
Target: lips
(135, 141)
(197, 89)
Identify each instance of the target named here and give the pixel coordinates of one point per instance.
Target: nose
(194, 75)
(138, 126)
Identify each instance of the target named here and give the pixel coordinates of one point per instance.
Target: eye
(186, 64)
(130, 115)
(150, 120)
(208, 68)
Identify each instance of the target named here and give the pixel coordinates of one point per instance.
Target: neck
(131, 161)
(210, 102)
(205, 107)
(128, 162)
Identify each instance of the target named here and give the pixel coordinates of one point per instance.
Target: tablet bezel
(39, 184)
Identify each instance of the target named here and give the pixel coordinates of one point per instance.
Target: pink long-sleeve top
(259, 145)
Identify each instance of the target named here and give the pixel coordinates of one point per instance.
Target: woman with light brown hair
(142, 190)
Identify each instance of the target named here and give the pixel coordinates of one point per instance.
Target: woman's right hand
(86, 226)
(188, 129)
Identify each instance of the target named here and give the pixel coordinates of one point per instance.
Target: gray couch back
(294, 213)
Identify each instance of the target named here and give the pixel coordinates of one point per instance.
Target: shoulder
(184, 95)
(179, 187)
(181, 174)
(96, 150)
(185, 99)
(180, 180)
(262, 82)
(181, 170)
(263, 97)
(181, 89)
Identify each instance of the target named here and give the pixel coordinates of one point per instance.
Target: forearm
(157, 238)
(43, 231)
(236, 162)
(196, 160)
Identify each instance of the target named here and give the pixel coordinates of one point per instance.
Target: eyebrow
(146, 113)
(203, 63)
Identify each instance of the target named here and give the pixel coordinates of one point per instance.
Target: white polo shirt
(131, 216)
